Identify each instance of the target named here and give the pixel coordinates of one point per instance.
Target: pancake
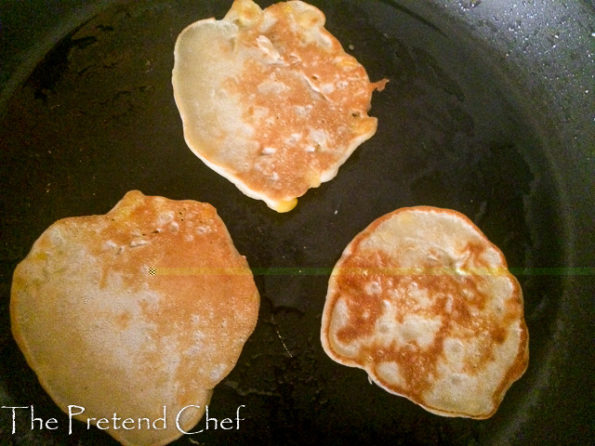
(424, 302)
(146, 306)
(270, 100)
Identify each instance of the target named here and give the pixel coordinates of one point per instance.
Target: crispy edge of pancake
(24, 285)
(513, 373)
(246, 13)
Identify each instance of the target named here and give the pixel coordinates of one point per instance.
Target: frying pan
(489, 111)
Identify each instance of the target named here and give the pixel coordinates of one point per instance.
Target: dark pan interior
(96, 118)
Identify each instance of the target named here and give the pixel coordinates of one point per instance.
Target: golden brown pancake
(270, 100)
(146, 306)
(423, 302)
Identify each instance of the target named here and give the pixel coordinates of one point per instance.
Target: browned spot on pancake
(123, 320)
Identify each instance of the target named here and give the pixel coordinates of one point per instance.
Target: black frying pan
(488, 111)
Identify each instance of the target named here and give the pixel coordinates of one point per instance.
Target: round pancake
(423, 302)
(270, 100)
(146, 306)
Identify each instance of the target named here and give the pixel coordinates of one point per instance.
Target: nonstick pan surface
(458, 128)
